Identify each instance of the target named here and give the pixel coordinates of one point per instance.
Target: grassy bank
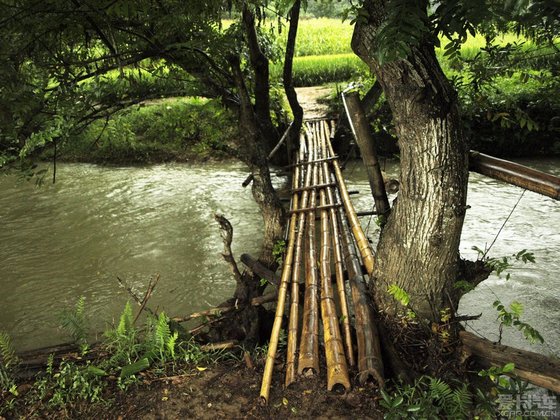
(174, 129)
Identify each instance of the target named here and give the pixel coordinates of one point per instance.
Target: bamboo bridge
(324, 233)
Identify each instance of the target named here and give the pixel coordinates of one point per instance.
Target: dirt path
(309, 99)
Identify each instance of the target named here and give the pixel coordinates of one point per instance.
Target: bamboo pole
(361, 130)
(338, 260)
(361, 239)
(280, 306)
(309, 343)
(296, 275)
(337, 370)
(516, 174)
(370, 363)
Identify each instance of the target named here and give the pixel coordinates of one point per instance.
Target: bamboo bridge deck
(324, 235)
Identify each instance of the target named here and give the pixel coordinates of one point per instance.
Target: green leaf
(508, 367)
(134, 368)
(96, 371)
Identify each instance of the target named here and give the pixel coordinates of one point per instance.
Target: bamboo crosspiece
(313, 252)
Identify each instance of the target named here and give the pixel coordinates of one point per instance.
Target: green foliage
(70, 384)
(172, 129)
(427, 398)
(404, 28)
(321, 37)
(511, 318)
(8, 364)
(321, 69)
(7, 352)
(495, 374)
(278, 251)
(122, 341)
(75, 323)
(501, 264)
(160, 341)
(399, 294)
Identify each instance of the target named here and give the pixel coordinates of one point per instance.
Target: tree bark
(418, 250)
(287, 74)
(252, 153)
(259, 64)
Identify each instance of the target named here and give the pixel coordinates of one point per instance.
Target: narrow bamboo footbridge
(324, 234)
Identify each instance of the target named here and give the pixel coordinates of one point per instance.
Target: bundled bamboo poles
(313, 254)
(337, 246)
(286, 274)
(309, 345)
(337, 370)
(296, 275)
(361, 239)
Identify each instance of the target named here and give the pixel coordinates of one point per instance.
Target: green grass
(321, 36)
(322, 69)
(171, 129)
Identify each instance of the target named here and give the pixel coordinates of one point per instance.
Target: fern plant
(7, 366)
(75, 323)
(123, 341)
(428, 397)
(161, 342)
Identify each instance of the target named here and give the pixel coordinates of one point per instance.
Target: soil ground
(232, 391)
(310, 100)
(228, 390)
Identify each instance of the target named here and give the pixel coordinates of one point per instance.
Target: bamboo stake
(309, 344)
(338, 259)
(337, 370)
(280, 306)
(361, 130)
(296, 276)
(361, 239)
(369, 349)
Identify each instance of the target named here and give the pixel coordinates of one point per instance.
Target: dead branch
(227, 236)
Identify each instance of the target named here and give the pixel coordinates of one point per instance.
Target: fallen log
(516, 174)
(256, 267)
(532, 367)
(220, 310)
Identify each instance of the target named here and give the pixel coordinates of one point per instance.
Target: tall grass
(322, 69)
(321, 36)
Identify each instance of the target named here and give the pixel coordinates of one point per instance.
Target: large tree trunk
(259, 64)
(418, 250)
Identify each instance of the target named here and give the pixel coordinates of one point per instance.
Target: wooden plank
(532, 367)
(515, 174)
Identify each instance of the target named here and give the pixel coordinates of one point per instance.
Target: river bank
(227, 389)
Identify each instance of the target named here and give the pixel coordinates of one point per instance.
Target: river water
(59, 242)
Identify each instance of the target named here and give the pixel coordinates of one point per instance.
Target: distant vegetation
(509, 112)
